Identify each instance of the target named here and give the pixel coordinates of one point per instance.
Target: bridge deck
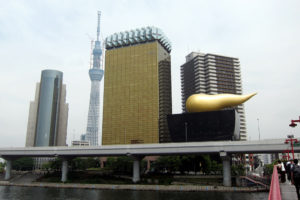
(261, 146)
(288, 191)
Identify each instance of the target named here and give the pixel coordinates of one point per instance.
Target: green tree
(2, 167)
(122, 164)
(205, 164)
(168, 164)
(216, 168)
(23, 164)
(56, 164)
(84, 163)
(46, 166)
(238, 170)
(183, 164)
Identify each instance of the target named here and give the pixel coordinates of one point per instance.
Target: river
(39, 193)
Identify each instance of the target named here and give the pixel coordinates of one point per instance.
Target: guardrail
(274, 193)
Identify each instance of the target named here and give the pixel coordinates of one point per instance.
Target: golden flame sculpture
(205, 102)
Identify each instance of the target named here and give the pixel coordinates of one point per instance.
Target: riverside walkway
(281, 191)
(288, 191)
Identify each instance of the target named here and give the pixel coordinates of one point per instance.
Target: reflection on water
(29, 193)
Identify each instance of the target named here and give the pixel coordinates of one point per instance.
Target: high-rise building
(96, 74)
(80, 143)
(137, 87)
(48, 113)
(212, 74)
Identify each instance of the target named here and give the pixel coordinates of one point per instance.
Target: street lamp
(258, 129)
(293, 122)
(286, 154)
(291, 139)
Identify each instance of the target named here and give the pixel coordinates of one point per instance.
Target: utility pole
(291, 140)
(258, 128)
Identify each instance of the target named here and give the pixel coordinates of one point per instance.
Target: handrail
(274, 193)
(254, 181)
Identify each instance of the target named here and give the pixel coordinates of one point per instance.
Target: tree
(216, 167)
(84, 163)
(183, 164)
(268, 168)
(56, 164)
(1, 167)
(238, 170)
(122, 164)
(23, 164)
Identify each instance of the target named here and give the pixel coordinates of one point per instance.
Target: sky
(57, 34)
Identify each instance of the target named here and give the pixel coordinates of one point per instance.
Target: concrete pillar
(136, 170)
(136, 167)
(226, 168)
(8, 169)
(64, 170)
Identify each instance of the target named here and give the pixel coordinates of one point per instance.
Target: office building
(96, 74)
(80, 143)
(48, 113)
(212, 74)
(137, 87)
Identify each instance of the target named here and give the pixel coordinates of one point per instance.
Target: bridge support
(136, 168)
(64, 170)
(226, 168)
(8, 169)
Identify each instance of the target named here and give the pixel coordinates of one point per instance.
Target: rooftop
(137, 36)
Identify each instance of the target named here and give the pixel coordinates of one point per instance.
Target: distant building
(212, 74)
(80, 143)
(266, 158)
(83, 137)
(137, 87)
(48, 113)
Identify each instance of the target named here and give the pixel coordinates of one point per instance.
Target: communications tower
(96, 73)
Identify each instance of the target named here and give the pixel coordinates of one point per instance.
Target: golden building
(137, 87)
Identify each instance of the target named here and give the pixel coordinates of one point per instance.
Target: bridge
(138, 151)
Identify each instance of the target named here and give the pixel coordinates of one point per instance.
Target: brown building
(137, 87)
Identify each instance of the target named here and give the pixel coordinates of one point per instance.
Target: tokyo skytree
(96, 74)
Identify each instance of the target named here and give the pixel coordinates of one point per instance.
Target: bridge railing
(274, 193)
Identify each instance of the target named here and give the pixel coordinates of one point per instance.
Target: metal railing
(274, 193)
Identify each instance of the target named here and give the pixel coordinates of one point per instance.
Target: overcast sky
(37, 35)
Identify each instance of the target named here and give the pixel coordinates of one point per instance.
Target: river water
(39, 193)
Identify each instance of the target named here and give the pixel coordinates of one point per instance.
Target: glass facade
(204, 126)
(48, 108)
(137, 94)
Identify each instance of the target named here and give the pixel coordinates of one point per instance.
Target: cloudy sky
(56, 34)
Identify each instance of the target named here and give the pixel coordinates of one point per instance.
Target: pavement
(24, 177)
(288, 191)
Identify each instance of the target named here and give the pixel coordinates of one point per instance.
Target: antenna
(98, 27)
(91, 55)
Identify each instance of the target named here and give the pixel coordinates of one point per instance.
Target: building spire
(98, 27)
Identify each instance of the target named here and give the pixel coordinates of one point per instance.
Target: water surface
(30, 193)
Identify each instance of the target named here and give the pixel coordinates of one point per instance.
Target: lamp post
(287, 154)
(293, 122)
(291, 139)
(258, 128)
